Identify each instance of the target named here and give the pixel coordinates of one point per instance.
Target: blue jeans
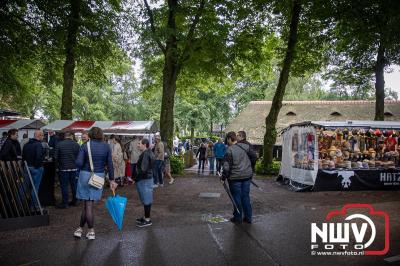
(67, 178)
(145, 190)
(37, 174)
(157, 172)
(241, 195)
(211, 163)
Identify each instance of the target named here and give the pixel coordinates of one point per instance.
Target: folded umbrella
(116, 207)
(228, 192)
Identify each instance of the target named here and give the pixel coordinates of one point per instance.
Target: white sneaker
(91, 235)
(171, 181)
(155, 185)
(78, 232)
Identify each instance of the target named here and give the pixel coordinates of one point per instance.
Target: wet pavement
(192, 230)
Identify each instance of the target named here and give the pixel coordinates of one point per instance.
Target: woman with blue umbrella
(92, 159)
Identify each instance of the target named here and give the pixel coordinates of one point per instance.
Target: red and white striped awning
(110, 127)
(6, 125)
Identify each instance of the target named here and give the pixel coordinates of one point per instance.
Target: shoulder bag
(95, 180)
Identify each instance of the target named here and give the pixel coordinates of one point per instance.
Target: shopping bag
(116, 207)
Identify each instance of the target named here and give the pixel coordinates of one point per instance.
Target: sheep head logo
(346, 182)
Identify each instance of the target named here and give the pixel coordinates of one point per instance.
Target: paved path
(180, 235)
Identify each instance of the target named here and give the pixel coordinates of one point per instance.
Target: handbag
(94, 180)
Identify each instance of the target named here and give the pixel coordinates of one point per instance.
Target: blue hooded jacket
(219, 150)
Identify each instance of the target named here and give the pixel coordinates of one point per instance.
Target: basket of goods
(372, 153)
(365, 164)
(359, 165)
(354, 165)
(348, 164)
(311, 164)
(371, 164)
(389, 164)
(332, 151)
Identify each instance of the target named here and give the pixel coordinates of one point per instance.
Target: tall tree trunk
(170, 75)
(69, 65)
(271, 119)
(380, 84)
(192, 135)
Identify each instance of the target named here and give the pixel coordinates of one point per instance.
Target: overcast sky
(392, 80)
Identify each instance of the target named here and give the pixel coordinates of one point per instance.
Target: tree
(366, 40)
(271, 119)
(200, 36)
(69, 65)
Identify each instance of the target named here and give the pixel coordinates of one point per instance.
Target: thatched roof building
(252, 118)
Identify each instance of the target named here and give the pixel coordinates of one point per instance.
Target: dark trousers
(67, 178)
(240, 191)
(157, 172)
(201, 165)
(220, 162)
(134, 170)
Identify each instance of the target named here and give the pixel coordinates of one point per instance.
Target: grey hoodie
(237, 165)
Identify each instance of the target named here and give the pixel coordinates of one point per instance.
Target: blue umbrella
(116, 207)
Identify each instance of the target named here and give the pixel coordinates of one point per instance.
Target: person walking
(210, 157)
(65, 156)
(118, 161)
(219, 152)
(100, 155)
(237, 170)
(11, 149)
(33, 153)
(159, 155)
(144, 181)
(201, 154)
(134, 153)
(167, 163)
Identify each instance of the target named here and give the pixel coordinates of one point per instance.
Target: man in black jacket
(11, 149)
(33, 154)
(65, 156)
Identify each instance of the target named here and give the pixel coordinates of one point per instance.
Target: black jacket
(33, 153)
(202, 151)
(252, 154)
(145, 165)
(66, 153)
(10, 151)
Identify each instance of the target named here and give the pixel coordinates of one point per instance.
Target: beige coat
(159, 151)
(134, 151)
(118, 160)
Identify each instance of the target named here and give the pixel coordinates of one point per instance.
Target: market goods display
(358, 148)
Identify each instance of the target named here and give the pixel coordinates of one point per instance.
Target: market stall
(348, 155)
(122, 128)
(24, 126)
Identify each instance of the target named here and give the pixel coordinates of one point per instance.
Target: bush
(177, 164)
(272, 169)
(214, 138)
